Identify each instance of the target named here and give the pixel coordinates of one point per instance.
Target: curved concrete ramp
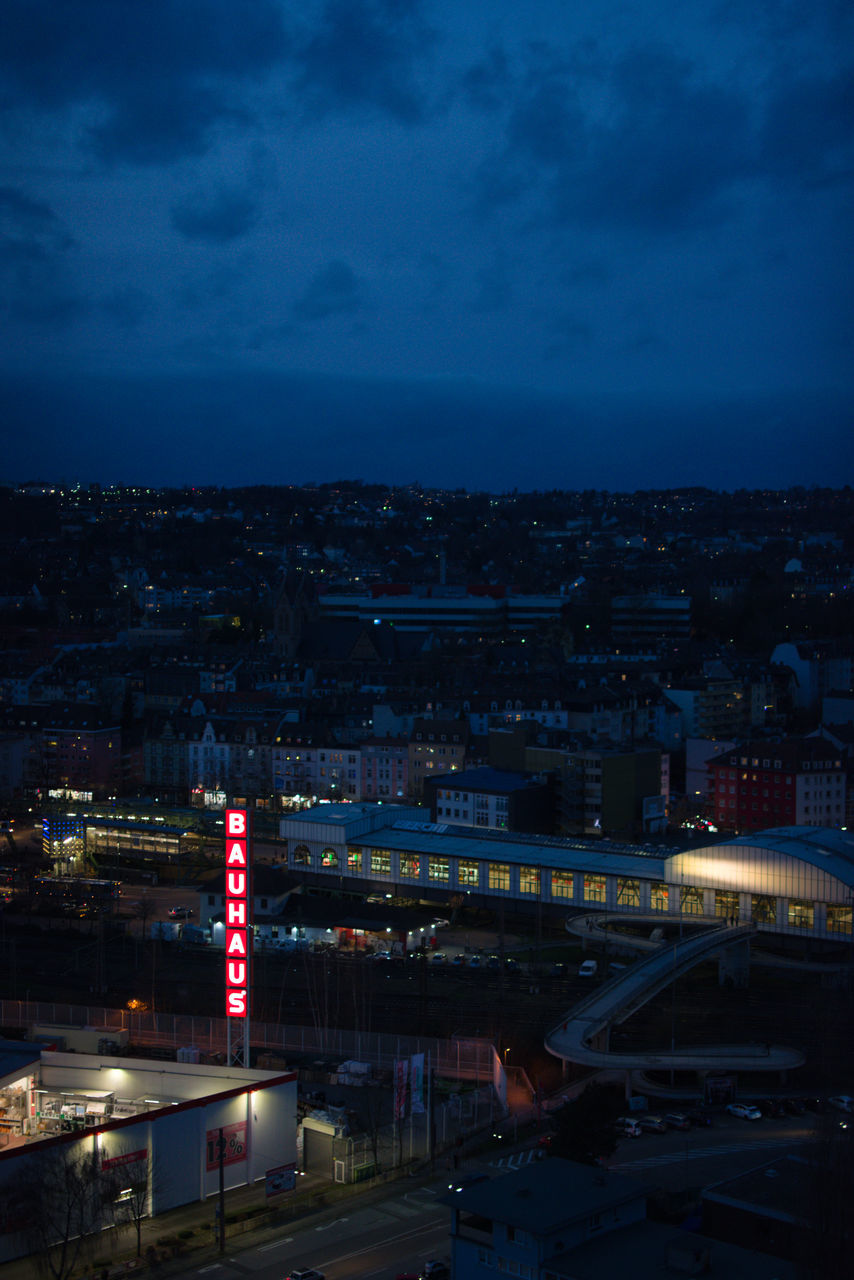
(582, 1035)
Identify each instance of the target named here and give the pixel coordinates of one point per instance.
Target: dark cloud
(140, 128)
(670, 158)
(34, 243)
(218, 216)
(364, 53)
(546, 124)
(333, 291)
(807, 133)
(29, 227)
(486, 85)
(160, 74)
(663, 156)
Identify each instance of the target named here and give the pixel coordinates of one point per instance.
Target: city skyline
(557, 248)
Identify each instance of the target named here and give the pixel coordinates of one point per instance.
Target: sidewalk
(184, 1237)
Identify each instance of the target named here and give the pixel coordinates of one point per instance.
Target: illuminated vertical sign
(238, 907)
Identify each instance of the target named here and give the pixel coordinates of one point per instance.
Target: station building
(796, 881)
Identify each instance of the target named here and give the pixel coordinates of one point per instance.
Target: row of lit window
(691, 899)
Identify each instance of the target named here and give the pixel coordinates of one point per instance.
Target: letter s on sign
(235, 1004)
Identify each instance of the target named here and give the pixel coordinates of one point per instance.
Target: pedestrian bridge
(582, 1035)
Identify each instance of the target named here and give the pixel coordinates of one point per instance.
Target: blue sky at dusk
(491, 246)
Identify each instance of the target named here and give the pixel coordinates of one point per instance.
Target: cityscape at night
(426, 640)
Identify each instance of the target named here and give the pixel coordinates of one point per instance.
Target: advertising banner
(401, 1079)
(416, 1084)
(281, 1179)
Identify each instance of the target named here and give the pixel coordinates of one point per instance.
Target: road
(377, 1241)
(678, 1160)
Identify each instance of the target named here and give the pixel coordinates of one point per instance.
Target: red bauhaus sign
(238, 936)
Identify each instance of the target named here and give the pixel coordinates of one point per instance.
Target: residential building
(712, 708)
(492, 799)
(385, 769)
(436, 746)
(308, 768)
(639, 618)
(760, 784)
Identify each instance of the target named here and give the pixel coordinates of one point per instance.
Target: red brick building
(797, 782)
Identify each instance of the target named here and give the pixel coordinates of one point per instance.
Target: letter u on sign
(236, 973)
(235, 884)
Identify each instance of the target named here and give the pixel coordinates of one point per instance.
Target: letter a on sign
(235, 942)
(235, 854)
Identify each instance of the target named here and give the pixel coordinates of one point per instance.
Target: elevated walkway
(582, 1036)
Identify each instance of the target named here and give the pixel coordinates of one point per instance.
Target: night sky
(543, 245)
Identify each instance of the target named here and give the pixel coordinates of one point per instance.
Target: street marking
(703, 1153)
(517, 1160)
(277, 1244)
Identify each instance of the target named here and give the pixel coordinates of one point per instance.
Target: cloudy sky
(494, 245)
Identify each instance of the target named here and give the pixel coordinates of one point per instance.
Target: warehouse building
(157, 1130)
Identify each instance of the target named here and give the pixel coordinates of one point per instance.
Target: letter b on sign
(235, 822)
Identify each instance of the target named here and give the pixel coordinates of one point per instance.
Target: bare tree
(127, 1190)
(63, 1202)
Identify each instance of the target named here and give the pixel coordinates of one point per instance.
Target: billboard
(231, 1138)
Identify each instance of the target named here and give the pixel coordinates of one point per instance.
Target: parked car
(459, 960)
(652, 1123)
(467, 1180)
(436, 1269)
(677, 1120)
(588, 969)
(558, 969)
(628, 1127)
(180, 913)
(773, 1107)
(512, 965)
(842, 1102)
(438, 957)
(493, 962)
(475, 962)
(699, 1116)
(306, 1274)
(744, 1111)
(794, 1106)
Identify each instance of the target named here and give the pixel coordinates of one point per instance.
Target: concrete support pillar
(734, 965)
